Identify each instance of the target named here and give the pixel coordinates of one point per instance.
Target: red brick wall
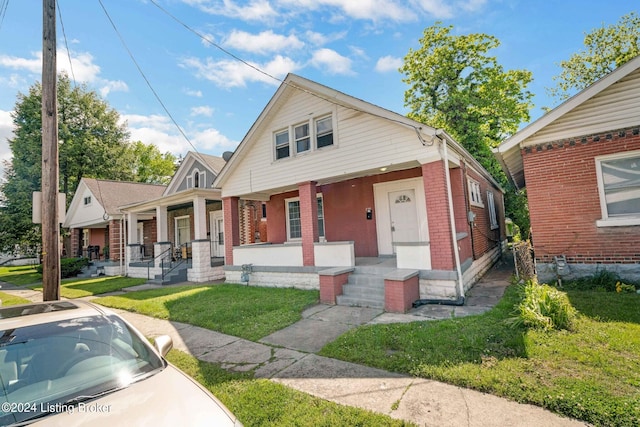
(435, 187)
(484, 238)
(564, 203)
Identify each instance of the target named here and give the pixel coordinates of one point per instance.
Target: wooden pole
(50, 176)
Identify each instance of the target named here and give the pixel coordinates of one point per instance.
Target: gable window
(282, 144)
(301, 134)
(324, 132)
(475, 195)
(294, 223)
(87, 200)
(493, 217)
(619, 188)
(197, 179)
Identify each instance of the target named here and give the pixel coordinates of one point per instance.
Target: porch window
(282, 144)
(324, 132)
(294, 224)
(493, 217)
(619, 188)
(475, 195)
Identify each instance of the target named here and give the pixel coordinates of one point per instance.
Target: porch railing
(170, 260)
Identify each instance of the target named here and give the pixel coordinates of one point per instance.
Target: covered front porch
(186, 238)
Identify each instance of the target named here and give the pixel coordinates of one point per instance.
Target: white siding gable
(362, 142)
(616, 107)
(81, 214)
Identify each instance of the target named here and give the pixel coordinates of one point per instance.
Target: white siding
(361, 142)
(616, 107)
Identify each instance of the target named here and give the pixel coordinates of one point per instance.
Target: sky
(191, 55)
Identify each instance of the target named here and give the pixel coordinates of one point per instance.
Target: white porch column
(162, 226)
(132, 232)
(199, 218)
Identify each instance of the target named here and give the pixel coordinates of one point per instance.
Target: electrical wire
(3, 10)
(64, 35)
(281, 81)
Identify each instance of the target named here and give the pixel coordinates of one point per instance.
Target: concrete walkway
(287, 357)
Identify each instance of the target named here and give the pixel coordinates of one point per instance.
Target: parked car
(75, 363)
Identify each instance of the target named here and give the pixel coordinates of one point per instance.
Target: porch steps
(365, 287)
(178, 275)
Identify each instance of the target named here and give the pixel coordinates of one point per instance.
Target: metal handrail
(179, 259)
(169, 250)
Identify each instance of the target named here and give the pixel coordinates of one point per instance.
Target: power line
(3, 10)
(64, 34)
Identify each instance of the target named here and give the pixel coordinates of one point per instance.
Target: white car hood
(168, 398)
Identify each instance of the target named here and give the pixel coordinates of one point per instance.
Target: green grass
(248, 312)
(78, 288)
(8, 299)
(20, 276)
(260, 402)
(591, 373)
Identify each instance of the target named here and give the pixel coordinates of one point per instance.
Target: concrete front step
(363, 290)
(359, 302)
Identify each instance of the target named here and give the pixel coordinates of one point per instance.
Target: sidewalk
(287, 356)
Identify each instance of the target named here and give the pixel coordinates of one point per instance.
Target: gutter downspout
(443, 137)
(122, 246)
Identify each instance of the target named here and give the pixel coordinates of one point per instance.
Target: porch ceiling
(267, 193)
(181, 197)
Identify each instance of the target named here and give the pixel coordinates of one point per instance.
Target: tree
(606, 48)
(93, 143)
(149, 165)
(456, 85)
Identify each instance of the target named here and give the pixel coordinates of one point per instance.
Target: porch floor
(388, 261)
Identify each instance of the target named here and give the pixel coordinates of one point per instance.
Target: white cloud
(32, 65)
(84, 69)
(6, 132)
(264, 42)
(230, 73)
(256, 10)
(203, 110)
(388, 63)
(113, 85)
(331, 61)
(160, 131)
(195, 93)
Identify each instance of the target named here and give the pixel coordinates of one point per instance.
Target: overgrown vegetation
(543, 307)
(591, 372)
(69, 267)
(602, 281)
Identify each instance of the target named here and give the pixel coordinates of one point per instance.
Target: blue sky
(354, 46)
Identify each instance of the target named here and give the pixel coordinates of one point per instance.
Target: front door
(216, 225)
(404, 216)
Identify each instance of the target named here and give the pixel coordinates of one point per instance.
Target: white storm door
(216, 225)
(183, 230)
(404, 216)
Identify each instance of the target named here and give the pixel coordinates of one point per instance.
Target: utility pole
(50, 176)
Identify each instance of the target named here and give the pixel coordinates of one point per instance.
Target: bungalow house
(95, 222)
(580, 164)
(368, 206)
(188, 225)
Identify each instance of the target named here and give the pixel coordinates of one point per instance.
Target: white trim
(475, 193)
(606, 221)
(288, 225)
(383, 211)
(214, 217)
(175, 231)
(493, 213)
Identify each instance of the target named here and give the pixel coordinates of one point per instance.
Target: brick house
(350, 190)
(580, 164)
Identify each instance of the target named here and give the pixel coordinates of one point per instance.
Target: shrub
(603, 280)
(69, 267)
(544, 307)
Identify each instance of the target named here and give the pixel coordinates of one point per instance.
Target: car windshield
(55, 365)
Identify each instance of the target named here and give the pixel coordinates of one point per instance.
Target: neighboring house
(345, 183)
(96, 223)
(580, 164)
(187, 221)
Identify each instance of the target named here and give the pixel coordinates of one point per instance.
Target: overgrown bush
(69, 267)
(603, 280)
(544, 307)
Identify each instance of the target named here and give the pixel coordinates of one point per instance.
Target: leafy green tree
(606, 48)
(149, 165)
(92, 143)
(454, 84)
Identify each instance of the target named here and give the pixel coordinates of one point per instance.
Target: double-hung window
(475, 195)
(302, 139)
(294, 224)
(324, 132)
(619, 188)
(493, 217)
(282, 144)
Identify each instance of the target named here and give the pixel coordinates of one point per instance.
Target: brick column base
(331, 282)
(401, 292)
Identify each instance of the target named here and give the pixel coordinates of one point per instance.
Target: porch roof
(180, 197)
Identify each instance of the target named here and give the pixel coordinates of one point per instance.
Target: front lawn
(21, 275)
(248, 312)
(591, 373)
(265, 403)
(8, 299)
(84, 287)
